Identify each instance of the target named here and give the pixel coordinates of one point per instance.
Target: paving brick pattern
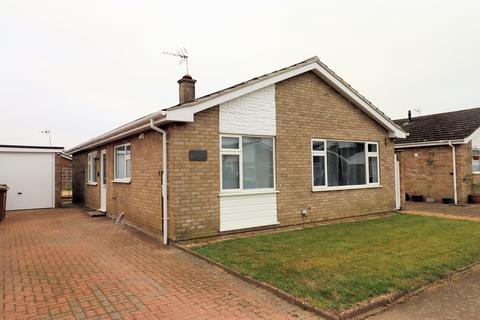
(62, 264)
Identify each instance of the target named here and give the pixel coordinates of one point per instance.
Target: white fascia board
(470, 137)
(29, 150)
(187, 113)
(122, 134)
(429, 143)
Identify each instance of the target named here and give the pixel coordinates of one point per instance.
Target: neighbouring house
(295, 146)
(441, 155)
(33, 175)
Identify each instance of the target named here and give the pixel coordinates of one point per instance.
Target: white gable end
(253, 113)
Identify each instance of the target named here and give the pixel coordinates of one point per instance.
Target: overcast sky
(80, 68)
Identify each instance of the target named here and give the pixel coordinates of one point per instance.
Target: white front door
(103, 181)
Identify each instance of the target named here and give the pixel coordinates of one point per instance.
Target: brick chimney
(186, 89)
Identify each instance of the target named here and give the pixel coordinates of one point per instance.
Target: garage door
(30, 179)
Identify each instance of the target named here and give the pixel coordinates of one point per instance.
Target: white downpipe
(164, 181)
(454, 172)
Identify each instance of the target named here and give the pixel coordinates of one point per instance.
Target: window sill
(122, 181)
(476, 173)
(246, 193)
(91, 183)
(316, 189)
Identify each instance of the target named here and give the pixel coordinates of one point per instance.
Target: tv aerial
(180, 53)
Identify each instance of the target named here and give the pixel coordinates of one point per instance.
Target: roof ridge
(439, 113)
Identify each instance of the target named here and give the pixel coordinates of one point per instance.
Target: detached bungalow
(441, 155)
(295, 146)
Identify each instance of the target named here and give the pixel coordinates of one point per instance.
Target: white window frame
(127, 157)
(475, 148)
(324, 154)
(239, 152)
(91, 161)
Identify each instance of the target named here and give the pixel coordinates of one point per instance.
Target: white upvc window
(247, 163)
(92, 168)
(122, 155)
(340, 164)
(476, 160)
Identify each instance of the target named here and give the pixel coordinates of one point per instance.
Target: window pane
(94, 170)
(318, 170)
(104, 173)
(257, 162)
(120, 163)
(230, 171)
(127, 173)
(372, 169)
(346, 163)
(372, 147)
(128, 150)
(318, 146)
(476, 160)
(229, 143)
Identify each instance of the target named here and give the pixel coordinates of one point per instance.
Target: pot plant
(416, 197)
(447, 200)
(474, 187)
(475, 197)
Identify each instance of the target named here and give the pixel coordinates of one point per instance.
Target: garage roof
(25, 148)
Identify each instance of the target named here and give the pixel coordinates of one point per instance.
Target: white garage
(29, 172)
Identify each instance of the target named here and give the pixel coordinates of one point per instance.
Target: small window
(92, 168)
(476, 160)
(122, 162)
(372, 147)
(230, 143)
(318, 146)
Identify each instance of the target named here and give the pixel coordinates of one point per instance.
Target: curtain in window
(346, 163)
(257, 162)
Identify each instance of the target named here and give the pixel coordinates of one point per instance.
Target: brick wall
(140, 199)
(194, 185)
(428, 171)
(308, 108)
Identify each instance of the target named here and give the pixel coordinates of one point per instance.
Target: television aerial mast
(181, 53)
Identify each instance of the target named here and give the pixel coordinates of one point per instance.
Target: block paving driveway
(62, 264)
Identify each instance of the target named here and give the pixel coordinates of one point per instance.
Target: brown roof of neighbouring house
(455, 125)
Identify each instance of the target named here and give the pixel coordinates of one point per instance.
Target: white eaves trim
(30, 150)
(187, 113)
(430, 143)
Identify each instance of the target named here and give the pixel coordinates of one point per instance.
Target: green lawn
(336, 266)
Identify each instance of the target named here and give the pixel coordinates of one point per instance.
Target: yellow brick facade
(306, 108)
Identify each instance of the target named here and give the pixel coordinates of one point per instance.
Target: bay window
(92, 168)
(122, 155)
(246, 163)
(344, 164)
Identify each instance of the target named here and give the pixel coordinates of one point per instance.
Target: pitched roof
(455, 125)
(185, 112)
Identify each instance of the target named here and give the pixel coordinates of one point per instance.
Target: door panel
(30, 179)
(103, 181)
